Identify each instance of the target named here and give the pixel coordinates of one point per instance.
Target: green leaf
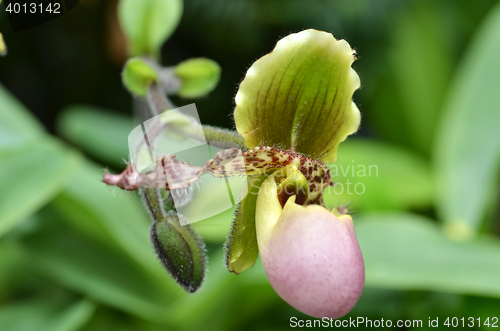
(45, 314)
(409, 252)
(106, 319)
(421, 63)
(74, 316)
(371, 175)
(241, 248)
(31, 176)
(198, 77)
(467, 154)
(99, 271)
(137, 76)
(17, 126)
(299, 96)
(148, 23)
(33, 168)
(10, 264)
(98, 132)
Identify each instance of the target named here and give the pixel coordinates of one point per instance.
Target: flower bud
(180, 250)
(147, 24)
(198, 77)
(138, 75)
(311, 257)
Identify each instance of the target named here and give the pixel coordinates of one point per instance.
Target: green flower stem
(179, 248)
(217, 137)
(152, 201)
(221, 138)
(158, 102)
(169, 81)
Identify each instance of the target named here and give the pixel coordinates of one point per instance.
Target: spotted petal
(170, 173)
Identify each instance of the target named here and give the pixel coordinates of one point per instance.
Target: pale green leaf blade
(74, 316)
(370, 175)
(99, 132)
(47, 314)
(421, 64)
(17, 126)
(31, 176)
(95, 269)
(409, 252)
(467, 154)
(113, 217)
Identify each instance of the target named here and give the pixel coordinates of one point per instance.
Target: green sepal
(198, 77)
(299, 97)
(241, 247)
(138, 75)
(178, 247)
(147, 24)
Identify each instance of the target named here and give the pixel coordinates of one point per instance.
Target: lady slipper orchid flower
(293, 109)
(299, 98)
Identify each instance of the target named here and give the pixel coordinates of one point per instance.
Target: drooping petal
(241, 247)
(170, 173)
(311, 257)
(299, 96)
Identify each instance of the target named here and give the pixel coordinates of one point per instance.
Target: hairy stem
(217, 137)
(157, 100)
(153, 202)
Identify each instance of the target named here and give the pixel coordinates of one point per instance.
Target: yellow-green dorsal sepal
(299, 96)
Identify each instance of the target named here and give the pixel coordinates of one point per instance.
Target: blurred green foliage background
(75, 254)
